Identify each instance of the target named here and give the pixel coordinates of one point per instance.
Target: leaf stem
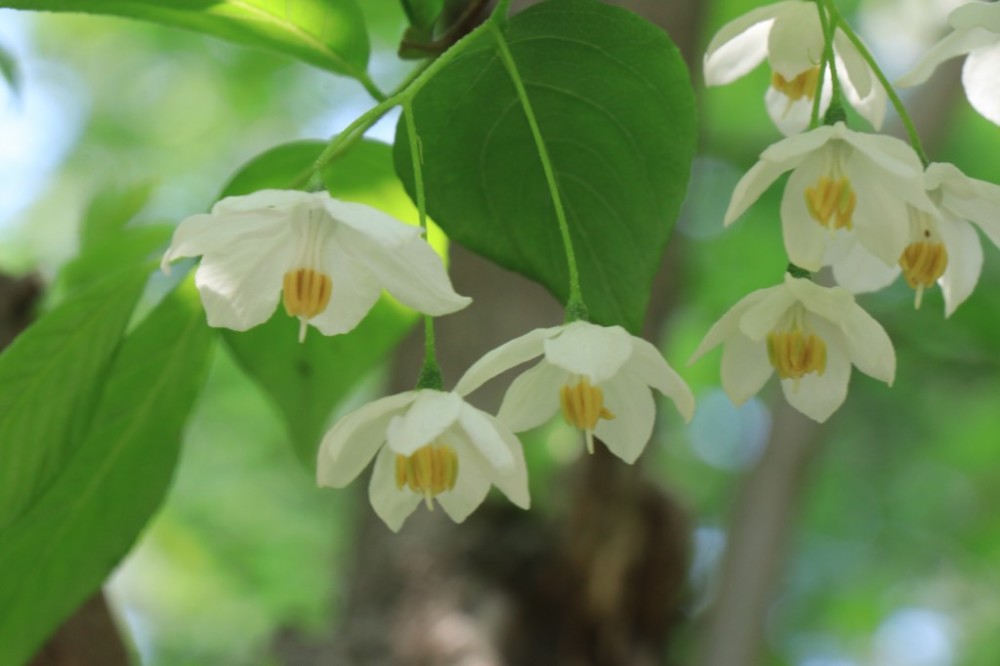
(897, 104)
(430, 373)
(365, 80)
(575, 308)
(828, 23)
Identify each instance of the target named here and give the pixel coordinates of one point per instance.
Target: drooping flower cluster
(328, 261)
(866, 205)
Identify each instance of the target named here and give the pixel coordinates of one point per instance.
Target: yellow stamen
(306, 293)
(832, 198)
(429, 471)
(803, 85)
(923, 263)
(794, 354)
(583, 406)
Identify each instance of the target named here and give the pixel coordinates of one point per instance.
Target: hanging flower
(328, 259)
(789, 35)
(943, 246)
(976, 32)
(809, 335)
(842, 183)
(598, 376)
(428, 446)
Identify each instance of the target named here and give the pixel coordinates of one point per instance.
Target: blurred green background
(896, 554)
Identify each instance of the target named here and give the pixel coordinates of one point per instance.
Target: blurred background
(872, 540)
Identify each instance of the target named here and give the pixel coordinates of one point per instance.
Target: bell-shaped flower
(943, 246)
(429, 446)
(809, 335)
(328, 260)
(790, 36)
(842, 183)
(599, 377)
(977, 33)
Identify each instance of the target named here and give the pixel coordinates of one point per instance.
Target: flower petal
(761, 318)
(980, 75)
(745, 368)
(631, 401)
(506, 356)
(409, 270)
(648, 366)
(792, 117)
(740, 45)
(208, 233)
(795, 43)
(393, 505)
(866, 344)
(471, 485)
(860, 271)
(728, 324)
(830, 303)
(753, 184)
(354, 292)
(240, 287)
(965, 262)
(805, 238)
(533, 398)
(976, 15)
(378, 227)
(431, 413)
(819, 396)
(485, 437)
(514, 482)
(954, 44)
(349, 446)
(859, 74)
(597, 352)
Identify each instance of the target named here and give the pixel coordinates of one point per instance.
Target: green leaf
(48, 382)
(127, 247)
(329, 34)
(109, 211)
(306, 381)
(616, 112)
(10, 71)
(423, 14)
(60, 551)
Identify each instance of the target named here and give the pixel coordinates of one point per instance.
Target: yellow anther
(832, 202)
(306, 292)
(429, 471)
(923, 263)
(583, 406)
(803, 85)
(794, 354)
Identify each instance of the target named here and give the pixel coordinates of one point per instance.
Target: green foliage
(49, 378)
(58, 553)
(9, 70)
(329, 34)
(423, 14)
(306, 381)
(616, 112)
(109, 211)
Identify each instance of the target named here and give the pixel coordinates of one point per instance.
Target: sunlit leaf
(329, 34)
(616, 112)
(48, 384)
(306, 381)
(61, 550)
(10, 71)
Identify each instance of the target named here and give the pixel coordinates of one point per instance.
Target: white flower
(842, 183)
(943, 246)
(790, 36)
(599, 376)
(431, 445)
(810, 335)
(976, 32)
(331, 259)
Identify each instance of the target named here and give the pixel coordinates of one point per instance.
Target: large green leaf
(329, 34)
(616, 112)
(55, 555)
(48, 380)
(306, 381)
